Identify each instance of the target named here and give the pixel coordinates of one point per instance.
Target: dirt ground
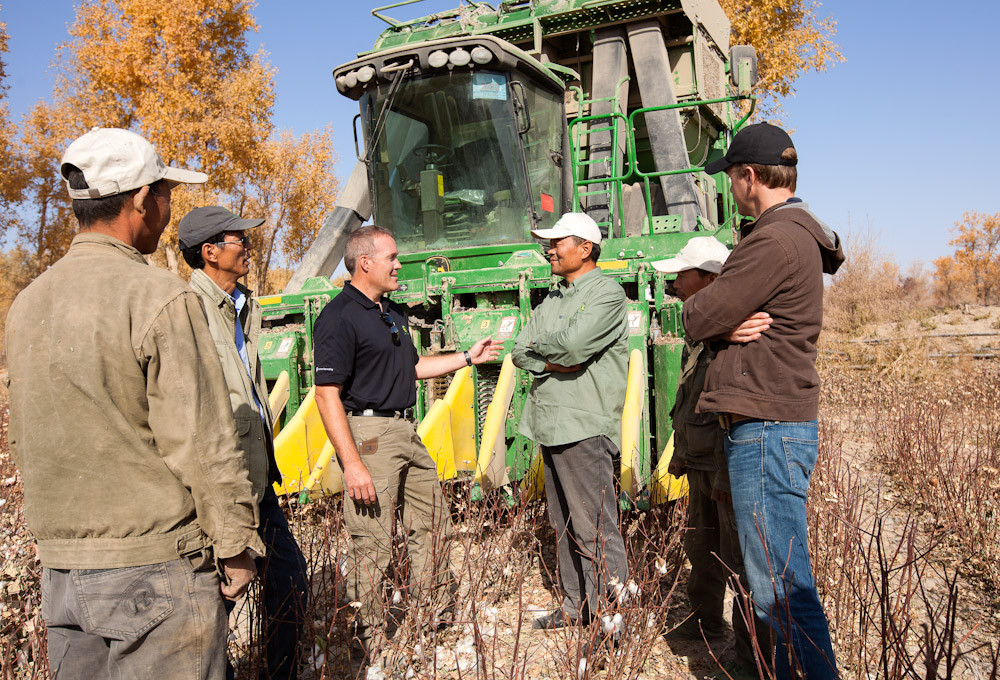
(505, 562)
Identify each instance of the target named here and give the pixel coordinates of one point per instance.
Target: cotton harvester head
(479, 125)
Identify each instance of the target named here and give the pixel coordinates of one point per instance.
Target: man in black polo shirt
(366, 373)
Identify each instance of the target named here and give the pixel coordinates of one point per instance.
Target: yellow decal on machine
(613, 264)
(271, 300)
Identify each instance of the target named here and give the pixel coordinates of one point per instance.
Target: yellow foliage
(13, 177)
(790, 40)
(972, 273)
(178, 73)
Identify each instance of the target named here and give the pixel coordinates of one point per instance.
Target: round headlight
(351, 79)
(365, 73)
(481, 55)
(437, 59)
(459, 57)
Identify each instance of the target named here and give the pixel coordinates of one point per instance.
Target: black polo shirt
(354, 348)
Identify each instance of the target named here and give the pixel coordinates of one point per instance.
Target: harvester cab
(478, 125)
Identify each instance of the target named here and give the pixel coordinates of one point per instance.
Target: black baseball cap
(201, 224)
(760, 143)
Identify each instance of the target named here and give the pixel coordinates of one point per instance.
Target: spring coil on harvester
(487, 376)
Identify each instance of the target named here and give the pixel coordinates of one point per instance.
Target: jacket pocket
(704, 436)
(124, 604)
(243, 424)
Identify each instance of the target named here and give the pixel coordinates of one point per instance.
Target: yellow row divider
(635, 400)
(491, 465)
(277, 400)
(449, 428)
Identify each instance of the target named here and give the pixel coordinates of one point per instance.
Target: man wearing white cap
(576, 347)
(134, 481)
(711, 540)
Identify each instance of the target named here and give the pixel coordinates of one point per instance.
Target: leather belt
(727, 420)
(406, 414)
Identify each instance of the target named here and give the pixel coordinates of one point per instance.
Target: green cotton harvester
(478, 125)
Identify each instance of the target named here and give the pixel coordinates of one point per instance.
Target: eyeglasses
(242, 240)
(387, 320)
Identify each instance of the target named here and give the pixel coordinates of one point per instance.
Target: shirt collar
(202, 282)
(581, 280)
(92, 238)
(359, 297)
(239, 299)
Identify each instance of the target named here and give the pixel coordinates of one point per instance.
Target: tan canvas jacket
(254, 432)
(118, 422)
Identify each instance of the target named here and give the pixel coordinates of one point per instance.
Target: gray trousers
(163, 621)
(583, 510)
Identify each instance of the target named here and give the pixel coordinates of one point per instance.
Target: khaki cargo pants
(409, 503)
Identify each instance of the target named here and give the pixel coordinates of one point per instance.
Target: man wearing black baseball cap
(215, 243)
(766, 390)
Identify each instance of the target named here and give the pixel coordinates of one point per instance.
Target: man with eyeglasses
(215, 243)
(135, 487)
(366, 373)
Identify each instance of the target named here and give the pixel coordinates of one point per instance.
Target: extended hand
(556, 368)
(484, 350)
(239, 571)
(358, 482)
(751, 328)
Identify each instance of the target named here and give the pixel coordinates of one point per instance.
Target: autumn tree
(790, 40)
(293, 191)
(181, 75)
(972, 273)
(13, 176)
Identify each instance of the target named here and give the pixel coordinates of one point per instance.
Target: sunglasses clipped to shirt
(387, 320)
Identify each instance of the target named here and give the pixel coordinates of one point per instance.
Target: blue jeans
(770, 464)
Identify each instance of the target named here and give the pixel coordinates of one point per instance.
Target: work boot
(553, 621)
(692, 629)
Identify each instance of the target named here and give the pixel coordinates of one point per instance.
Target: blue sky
(898, 139)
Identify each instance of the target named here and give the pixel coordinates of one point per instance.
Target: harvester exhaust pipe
(352, 209)
(666, 135)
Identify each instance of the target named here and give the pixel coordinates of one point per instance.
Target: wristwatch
(468, 358)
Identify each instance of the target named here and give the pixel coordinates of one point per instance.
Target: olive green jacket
(118, 421)
(254, 430)
(585, 323)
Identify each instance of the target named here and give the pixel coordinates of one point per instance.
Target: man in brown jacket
(134, 482)
(766, 392)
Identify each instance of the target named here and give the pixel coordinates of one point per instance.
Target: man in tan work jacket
(134, 481)
(216, 245)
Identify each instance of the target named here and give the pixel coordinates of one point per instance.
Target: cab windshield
(449, 168)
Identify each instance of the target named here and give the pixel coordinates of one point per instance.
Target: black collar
(360, 297)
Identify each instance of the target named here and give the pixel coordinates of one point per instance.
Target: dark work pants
(713, 548)
(583, 510)
(284, 591)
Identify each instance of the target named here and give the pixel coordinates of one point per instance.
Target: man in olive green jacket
(215, 243)
(133, 478)
(575, 346)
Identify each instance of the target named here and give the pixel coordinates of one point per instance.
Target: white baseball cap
(114, 161)
(572, 224)
(702, 252)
